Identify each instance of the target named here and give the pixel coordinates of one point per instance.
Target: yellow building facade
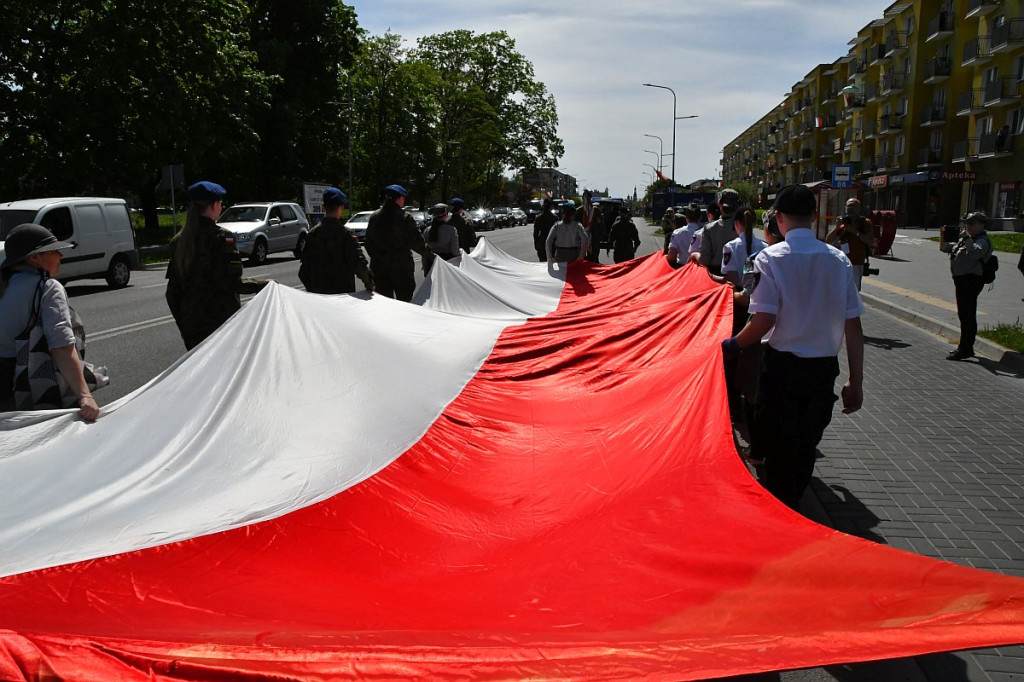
(923, 116)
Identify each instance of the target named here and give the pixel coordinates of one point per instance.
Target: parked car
(357, 224)
(421, 217)
(481, 219)
(502, 216)
(520, 216)
(262, 228)
(100, 228)
(533, 209)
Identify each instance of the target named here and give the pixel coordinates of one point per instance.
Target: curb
(984, 348)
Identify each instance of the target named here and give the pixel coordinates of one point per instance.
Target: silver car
(262, 228)
(358, 223)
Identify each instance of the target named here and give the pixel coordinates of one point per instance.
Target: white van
(99, 227)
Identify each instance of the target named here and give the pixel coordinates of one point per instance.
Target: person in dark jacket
(467, 235)
(391, 237)
(204, 275)
(966, 254)
(542, 224)
(332, 259)
(624, 238)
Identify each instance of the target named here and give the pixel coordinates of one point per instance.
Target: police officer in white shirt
(804, 303)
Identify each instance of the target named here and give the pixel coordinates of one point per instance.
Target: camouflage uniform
(391, 237)
(332, 259)
(204, 298)
(467, 235)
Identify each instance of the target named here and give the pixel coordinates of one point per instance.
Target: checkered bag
(38, 385)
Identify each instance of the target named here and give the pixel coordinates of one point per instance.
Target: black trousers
(397, 285)
(794, 407)
(968, 288)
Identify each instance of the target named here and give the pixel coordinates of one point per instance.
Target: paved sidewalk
(934, 462)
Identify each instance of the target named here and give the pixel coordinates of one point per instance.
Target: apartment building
(924, 115)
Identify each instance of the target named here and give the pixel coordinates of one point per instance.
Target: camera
(950, 233)
(868, 271)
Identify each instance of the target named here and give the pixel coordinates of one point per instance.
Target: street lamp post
(650, 176)
(661, 159)
(656, 156)
(674, 119)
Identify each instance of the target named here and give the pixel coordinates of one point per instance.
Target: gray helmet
(27, 239)
(440, 210)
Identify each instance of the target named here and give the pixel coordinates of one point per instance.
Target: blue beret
(206, 190)
(457, 203)
(334, 197)
(396, 189)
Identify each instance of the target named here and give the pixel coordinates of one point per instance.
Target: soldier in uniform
(204, 275)
(624, 238)
(467, 235)
(332, 259)
(542, 224)
(391, 237)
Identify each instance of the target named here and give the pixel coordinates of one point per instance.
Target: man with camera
(854, 235)
(967, 251)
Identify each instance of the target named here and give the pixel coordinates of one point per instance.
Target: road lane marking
(917, 296)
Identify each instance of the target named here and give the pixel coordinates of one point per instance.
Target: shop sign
(958, 176)
(1008, 186)
(878, 181)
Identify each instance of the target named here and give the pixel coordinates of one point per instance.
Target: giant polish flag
(530, 474)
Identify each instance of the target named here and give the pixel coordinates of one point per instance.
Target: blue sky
(728, 62)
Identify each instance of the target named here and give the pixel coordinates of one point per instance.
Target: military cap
(334, 197)
(204, 190)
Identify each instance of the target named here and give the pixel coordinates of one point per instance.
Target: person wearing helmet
(567, 241)
(391, 237)
(332, 259)
(467, 235)
(204, 275)
(30, 297)
(442, 238)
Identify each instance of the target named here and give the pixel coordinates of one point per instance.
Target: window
(905, 65)
(985, 125)
(935, 143)
(58, 221)
(908, 25)
(902, 106)
(900, 146)
(1015, 119)
(287, 213)
(939, 98)
(992, 75)
(1018, 70)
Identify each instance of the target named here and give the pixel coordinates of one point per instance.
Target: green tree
(98, 95)
(304, 48)
(494, 113)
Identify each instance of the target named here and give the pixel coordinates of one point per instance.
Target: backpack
(989, 266)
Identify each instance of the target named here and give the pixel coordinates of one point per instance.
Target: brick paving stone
(932, 464)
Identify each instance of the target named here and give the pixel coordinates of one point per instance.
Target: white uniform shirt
(695, 244)
(734, 254)
(809, 287)
(682, 238)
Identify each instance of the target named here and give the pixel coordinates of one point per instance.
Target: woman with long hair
(204, 275)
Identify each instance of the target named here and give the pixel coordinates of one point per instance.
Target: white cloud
(728, 62)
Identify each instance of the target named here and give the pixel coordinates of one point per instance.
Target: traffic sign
(842, 176)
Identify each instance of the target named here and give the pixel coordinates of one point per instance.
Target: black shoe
(957, 355)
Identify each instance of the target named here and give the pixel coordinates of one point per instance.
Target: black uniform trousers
(968, 288)
(794, 407)
(397, 284)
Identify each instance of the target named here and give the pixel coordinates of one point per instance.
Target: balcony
(840, 144)
(939, 28)
(979, 8)
(995, 145)
(968, 103)
(889, 123)
(892, 84)
(871, 92)
(936, 70)
(857, 67)
(964, 150)
(928, 157)
(876, 55)
(976, 51)
(895, 43)
(829, 96)
(856, 101)
(1007, 36)
(827, 151)
(933, 115)
(870, 130)
(1002, 92)
(806, 153)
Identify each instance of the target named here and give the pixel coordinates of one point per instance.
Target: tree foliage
(97, 96)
